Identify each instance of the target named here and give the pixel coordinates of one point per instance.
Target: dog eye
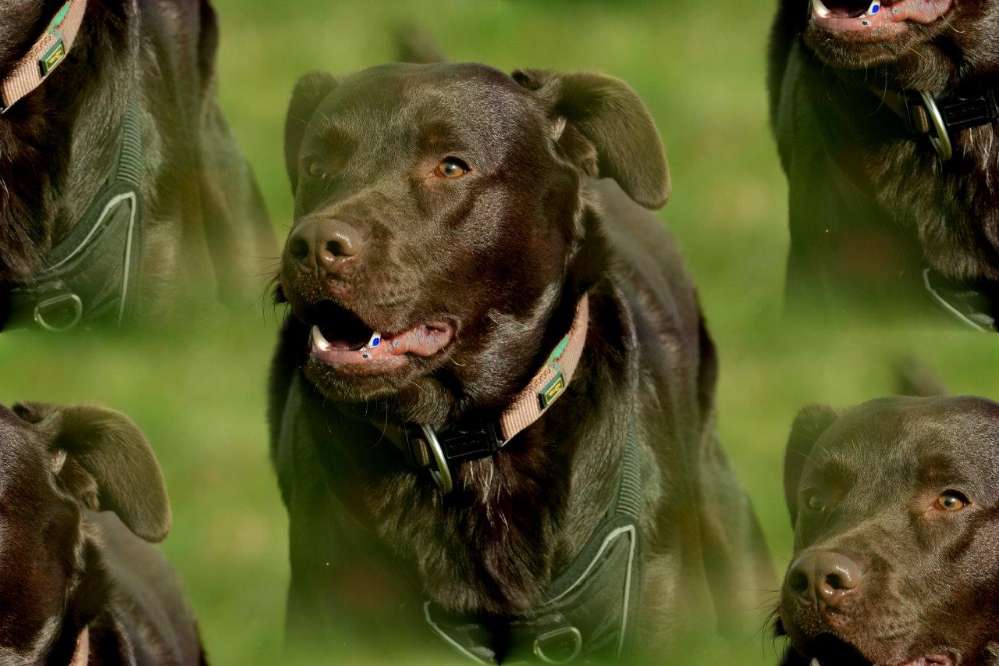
(952, 500)
(316, 169)
(815, 502)
(451, 167)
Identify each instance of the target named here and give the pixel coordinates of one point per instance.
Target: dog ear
(413, 44)
(808, 426)
(102, 458)
(605, 129)
(310, 90)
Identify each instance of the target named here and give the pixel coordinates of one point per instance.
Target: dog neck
(514, 520)
(440, 450)
(42, 190)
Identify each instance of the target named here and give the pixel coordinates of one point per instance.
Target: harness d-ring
(572, 633)
(442, 475)
(941, 142)
(44, 308)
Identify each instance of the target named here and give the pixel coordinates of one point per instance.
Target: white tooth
(376, 339)
(815, 662)
(819, 9)
(318, 341)
(874, 8)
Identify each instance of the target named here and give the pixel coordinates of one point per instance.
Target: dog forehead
(450, 91)
(22, 460)
(902, 433)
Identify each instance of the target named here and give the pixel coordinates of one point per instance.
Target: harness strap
(968, 304)
(89, 275)
(589, 607)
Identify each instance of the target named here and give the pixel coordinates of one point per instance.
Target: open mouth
(827, 650)
(343, 341)
(876, 17)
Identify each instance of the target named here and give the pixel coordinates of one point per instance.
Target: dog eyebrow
(938, 470)
(838, 474)
(440, 137)
(334, 137)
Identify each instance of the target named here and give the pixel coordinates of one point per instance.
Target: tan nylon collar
(550, 383)
(81, 656)
(44, 56)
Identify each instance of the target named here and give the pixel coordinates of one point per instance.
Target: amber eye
(952, 500)
(451, 167)
(316, 169)
(815, 502)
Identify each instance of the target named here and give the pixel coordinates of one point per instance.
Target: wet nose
(828, 577)
(324, 245)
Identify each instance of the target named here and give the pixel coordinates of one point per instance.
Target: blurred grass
(197, 387)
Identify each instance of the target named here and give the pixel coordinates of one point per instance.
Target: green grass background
(197, 386)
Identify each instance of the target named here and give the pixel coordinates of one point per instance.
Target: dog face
(920, 36)
(54, 462)
(895, 506)
(440, 208)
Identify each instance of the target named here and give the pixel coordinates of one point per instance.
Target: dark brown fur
(928, 577)
(205, 220)
(80, 496)
(505, 253)
(870, 205)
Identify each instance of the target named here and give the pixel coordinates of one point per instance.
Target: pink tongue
(421, 341)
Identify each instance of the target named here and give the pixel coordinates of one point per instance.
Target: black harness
(91, 274)
(589, 607)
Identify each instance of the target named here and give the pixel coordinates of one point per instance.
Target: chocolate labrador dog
(886, 120)
(492, 404)
(895, 506)
(81, 494)
(121, 186)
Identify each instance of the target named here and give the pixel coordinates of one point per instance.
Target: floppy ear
(603, 127)
(310, 90)
(808, 426)
(102, 458)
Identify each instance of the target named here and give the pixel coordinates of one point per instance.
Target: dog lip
(392, 353)
(831, 649)
(931, 660)
(892, 18)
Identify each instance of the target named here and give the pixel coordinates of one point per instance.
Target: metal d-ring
(571, 632)
(71, 299)
(941, 142)
(442, 475)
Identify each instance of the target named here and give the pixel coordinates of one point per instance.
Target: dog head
(442, 208)
(921, 41)
(54, 463)
(895, 506)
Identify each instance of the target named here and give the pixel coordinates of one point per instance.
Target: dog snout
(325, 246)
(825, 577)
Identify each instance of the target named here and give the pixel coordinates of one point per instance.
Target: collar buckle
(426, 449)
(437, 450)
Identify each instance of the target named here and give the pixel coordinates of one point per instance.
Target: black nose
(324, 245)
(828, 577)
